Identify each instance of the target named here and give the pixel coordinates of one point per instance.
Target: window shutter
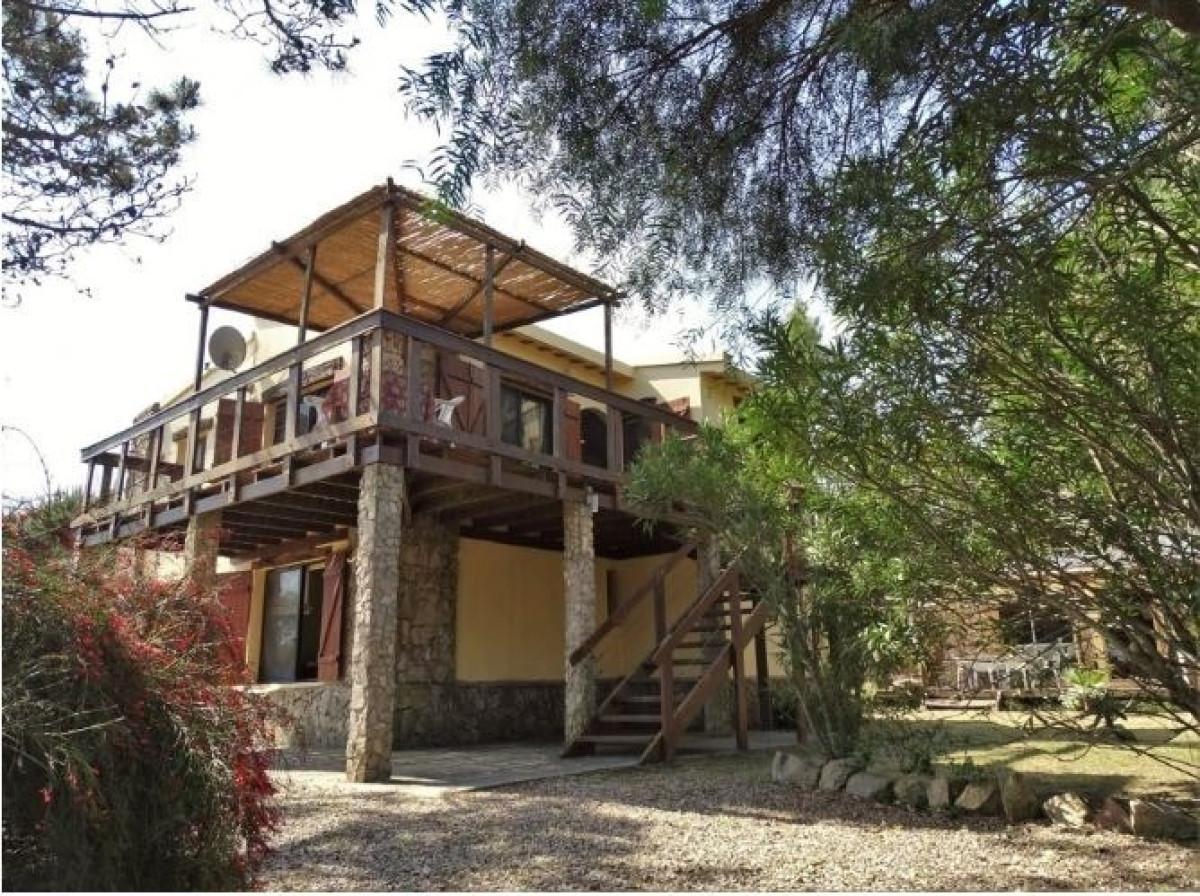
(456, 377)
(333, 587)
(234, 590)
(251, 436)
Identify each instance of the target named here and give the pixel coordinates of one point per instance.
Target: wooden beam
(484, 234)
(310, 265)
(458, 272)
(479, 287)
(289, 503)
(328, 285)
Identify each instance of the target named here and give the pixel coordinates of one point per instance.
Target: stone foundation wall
(478, 712)
(318, 713)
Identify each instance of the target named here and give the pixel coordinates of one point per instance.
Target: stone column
(425, 658)
(201, 546)
(373, 656)
(719, 709)
(579, 594)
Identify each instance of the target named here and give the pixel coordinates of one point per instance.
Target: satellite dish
(227, 348)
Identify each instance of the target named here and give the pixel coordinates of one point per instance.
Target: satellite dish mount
(227, 348)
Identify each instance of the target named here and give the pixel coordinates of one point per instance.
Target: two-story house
(412, 498)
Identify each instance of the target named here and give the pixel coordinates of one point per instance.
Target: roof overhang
(434, 264)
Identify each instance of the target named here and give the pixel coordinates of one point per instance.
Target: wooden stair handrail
(626, 606)
(715, 591)
(695, 699)
(753, 624)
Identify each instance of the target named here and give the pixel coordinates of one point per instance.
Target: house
(412, 499)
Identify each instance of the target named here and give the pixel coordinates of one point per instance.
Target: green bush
(130, 759)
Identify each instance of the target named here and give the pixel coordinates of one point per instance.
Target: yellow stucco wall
(510, 613)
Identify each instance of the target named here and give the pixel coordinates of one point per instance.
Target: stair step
(630, 719)
(616, 739)
(639, 698)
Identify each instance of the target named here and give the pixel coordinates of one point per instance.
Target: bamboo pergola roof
(435, 264)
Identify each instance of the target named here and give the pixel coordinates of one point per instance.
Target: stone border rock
(1005, 792)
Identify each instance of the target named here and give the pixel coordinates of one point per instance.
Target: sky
(272, 154)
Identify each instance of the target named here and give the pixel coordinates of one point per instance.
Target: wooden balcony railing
(315, 410)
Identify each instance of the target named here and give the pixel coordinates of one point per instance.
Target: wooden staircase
(650, 709)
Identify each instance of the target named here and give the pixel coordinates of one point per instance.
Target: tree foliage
(85, 162)
(130, 761)
(1000, 201)
(831, 560)
(707, 146)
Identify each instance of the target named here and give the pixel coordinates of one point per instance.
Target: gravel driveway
(708, 824)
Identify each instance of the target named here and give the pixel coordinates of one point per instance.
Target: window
(308, 416)
(291, 631)
(525, 419)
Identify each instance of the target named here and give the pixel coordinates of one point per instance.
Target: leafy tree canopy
(999, 200)
(705, 146)
(86, 164)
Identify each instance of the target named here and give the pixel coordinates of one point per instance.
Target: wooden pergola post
(489, 275)
(386, 248)
(310, 264)
(200, 345)
(608, 340)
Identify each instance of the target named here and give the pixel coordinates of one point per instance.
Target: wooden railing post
(412, 379)
(105, 483)
(121, 470)
(762, 665)
(239, 410)
(355, 386)
(193, 442)
(293, 402)
(491, 389)
(666, 704)
(155, 455)
(376, 381)
(558, 424)
(737, 657)
(87, 487)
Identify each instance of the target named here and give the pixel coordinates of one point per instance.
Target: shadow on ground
(710, 823)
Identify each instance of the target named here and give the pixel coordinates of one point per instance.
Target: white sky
(272, 154)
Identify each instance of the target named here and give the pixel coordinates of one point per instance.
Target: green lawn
(1058, 760)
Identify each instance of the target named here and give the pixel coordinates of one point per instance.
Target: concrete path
(437, 771)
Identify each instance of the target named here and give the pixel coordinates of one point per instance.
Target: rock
(1067, 809)
(1114, 816)
(1163, 821)
(1017, 798)
(937, 793)
(802, 772)
(980, 797)
(870, 786)
(836, 772)
(912, 790)
(942, 790)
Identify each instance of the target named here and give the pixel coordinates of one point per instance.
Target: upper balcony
(407, 298)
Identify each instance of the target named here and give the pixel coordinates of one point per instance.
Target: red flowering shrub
(130, 761)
